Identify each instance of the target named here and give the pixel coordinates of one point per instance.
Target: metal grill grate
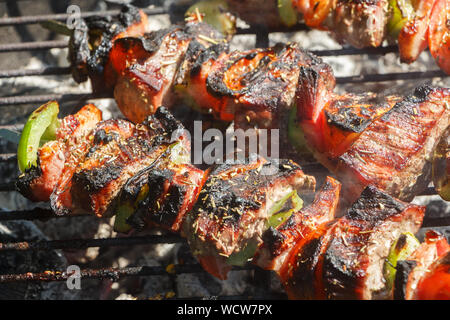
(262, 36)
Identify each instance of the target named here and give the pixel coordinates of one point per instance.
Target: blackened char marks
(403, 270)
(25, 181)
(375, 205)
(92, 181)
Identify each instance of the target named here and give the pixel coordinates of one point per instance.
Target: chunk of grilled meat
(171, 191)
(413, 37)
(282, 243)
(38, 183)
(91, 42)
(392, 152)
(331, 127)
(361, 23)
(226, 224)
(160, 60)
(118, 151)
(254, 87)
(436, 283)
(414, 268)
(346, 261)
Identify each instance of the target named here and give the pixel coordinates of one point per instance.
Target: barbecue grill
(260, 278)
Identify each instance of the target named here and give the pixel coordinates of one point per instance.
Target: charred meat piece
(38, 183)
(227, 222)
(282, 243)
(168, 190)
(375, 220)
(361, 23)
(332, 127)
(346, 261)
(412, 39)
(91, 42)
(253, 87)
(394, 152)
(436, 283)
(62, 199)
(386, 144)
(160, 61)
(118, 151)
(411, 271)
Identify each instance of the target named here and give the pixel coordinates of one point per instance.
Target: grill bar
(30, 46)
(90, 243)
(14, 100)
(77, 244)
(108, 273)
(11, 21)
(35, 72)
(44, 45)
(62, 97)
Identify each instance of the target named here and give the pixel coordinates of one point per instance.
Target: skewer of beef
(368, 139)
(143, 173)
(259, 88)
(414, 25)
(230, 213)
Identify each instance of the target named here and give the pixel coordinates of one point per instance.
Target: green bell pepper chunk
(240, 258)
(401, 249)
(288, 14)
(127, 208)
(401, 11)
(216, 14)
(295, 133)
(40, 128)
(277, 217)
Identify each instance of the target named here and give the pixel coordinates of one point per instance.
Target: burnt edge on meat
(25, 180)
(369, 201)
(94, 180)
(345, 119)
(85, 62)
(215, 82)
(404, 268)
(419, 95)
(342, 280)
(87, 183)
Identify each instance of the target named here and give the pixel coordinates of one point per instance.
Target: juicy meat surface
(393, 152)
(281, 243)
(233, 206)
(414, 268)
(361, 23)
(436, 284)
(345, 261)
(119, 150)
(162, 60)
(38, 183)
(388, 144)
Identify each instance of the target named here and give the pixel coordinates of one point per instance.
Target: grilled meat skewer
(411, 270)
(233, 211)
(151, 66)
(226, 224)
(386, 144)
(346, 261)
(91, 42)
(362, 23)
